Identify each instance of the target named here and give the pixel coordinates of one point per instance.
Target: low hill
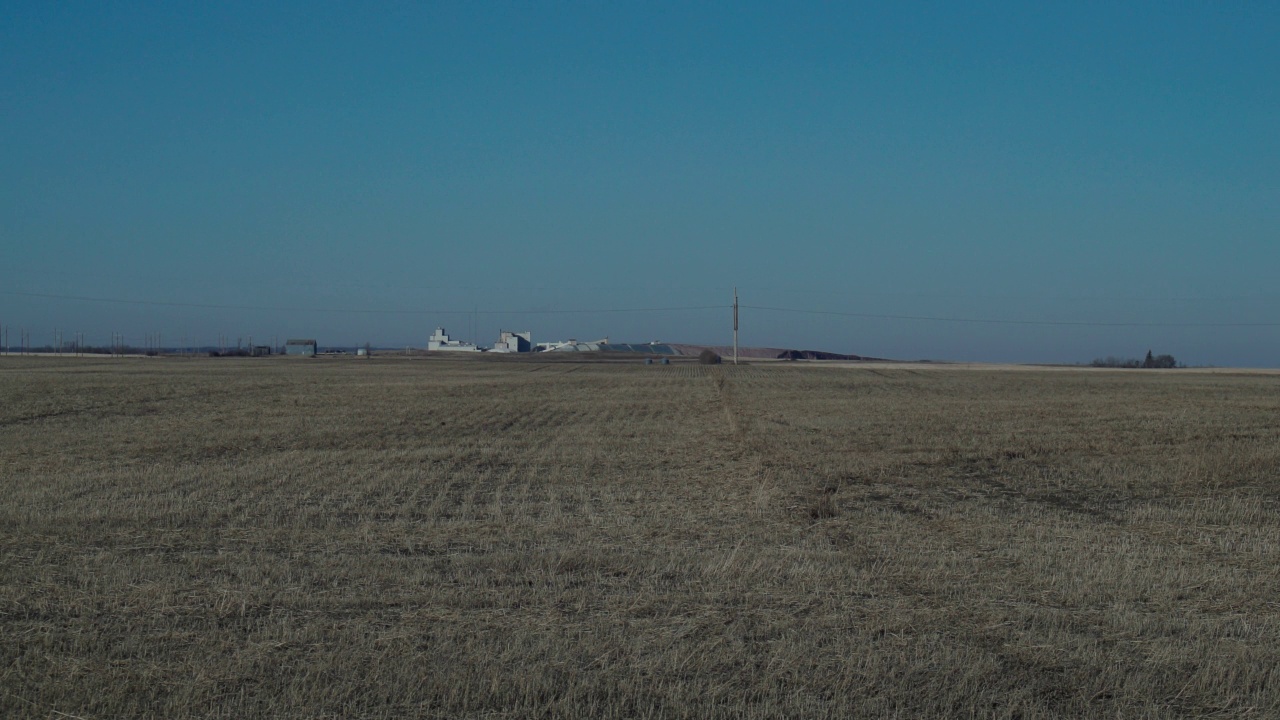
(769, 353)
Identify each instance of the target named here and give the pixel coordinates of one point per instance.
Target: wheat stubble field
(510, 539)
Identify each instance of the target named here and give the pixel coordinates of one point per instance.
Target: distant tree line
(73, 349)
(1159, 362)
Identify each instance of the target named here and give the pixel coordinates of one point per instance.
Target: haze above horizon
(989, 181)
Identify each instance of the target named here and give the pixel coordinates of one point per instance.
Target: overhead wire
(998, 321)
(603, 311)
(361, 311)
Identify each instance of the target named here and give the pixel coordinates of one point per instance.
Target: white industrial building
(572, 345)
(441, 341)
(514, 342)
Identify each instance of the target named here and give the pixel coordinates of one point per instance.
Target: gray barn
(305, 348)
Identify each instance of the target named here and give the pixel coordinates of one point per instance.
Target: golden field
(527, 538)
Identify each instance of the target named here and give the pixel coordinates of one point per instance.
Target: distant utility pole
(735, 325)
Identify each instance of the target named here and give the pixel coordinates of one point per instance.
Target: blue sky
(1068, 162)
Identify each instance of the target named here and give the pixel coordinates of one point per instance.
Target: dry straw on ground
(484, 539)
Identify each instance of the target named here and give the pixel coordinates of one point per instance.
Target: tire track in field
(914, 557)
(1043, 604)
(790, 491)
(121, 407)
(530, 428)
(520, 441)
(753, 473)
(933, 557)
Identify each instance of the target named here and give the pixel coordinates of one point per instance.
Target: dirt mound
(767, 353)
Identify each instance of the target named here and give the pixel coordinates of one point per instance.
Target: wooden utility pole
(735, 325)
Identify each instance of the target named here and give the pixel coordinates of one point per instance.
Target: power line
(603, 311)
(994, 321)
(844, 294)
(788, 290)
(357, 311)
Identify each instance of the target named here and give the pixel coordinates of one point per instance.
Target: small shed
(304, 348)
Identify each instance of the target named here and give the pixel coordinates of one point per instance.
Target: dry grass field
(488, 538)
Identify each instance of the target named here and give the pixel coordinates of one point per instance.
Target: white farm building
(514, 342)
(441, 341)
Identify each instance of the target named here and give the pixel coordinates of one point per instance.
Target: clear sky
(455, 163)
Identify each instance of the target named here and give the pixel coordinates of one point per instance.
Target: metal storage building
(304, 348)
